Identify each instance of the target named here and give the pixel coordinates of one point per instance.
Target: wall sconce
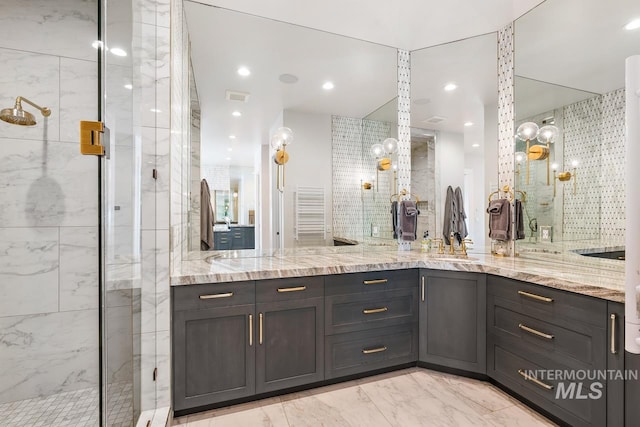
(565, 176)
(381, 153)
(279, 142)
(547, 135)
(526, 132)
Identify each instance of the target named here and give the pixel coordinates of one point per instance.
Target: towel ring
(404, 192)
(505, 189)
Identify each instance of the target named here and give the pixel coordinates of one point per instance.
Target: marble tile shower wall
(194, 206)
(48, 208)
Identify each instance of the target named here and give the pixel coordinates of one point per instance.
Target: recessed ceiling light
(155, 110)
(327, 86)
(236, 114)
(129, 86)
(118, 52)
(288, 78)
(633, 25)
(450, 86)
(467, 124)
(232, 137)
(244, 71)
(476, 145)
(229, 149)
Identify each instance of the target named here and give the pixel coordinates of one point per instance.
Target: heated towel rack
(310, 221)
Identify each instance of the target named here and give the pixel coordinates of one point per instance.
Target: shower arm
(44, 110)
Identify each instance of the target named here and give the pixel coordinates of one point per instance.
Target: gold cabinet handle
(296, 289)
(374, 350)
(535, 332)
(260, 321)
(214, 296)
(375, 282)
(614, 347)
(422, 290)
(534, 296)
(534, 380)
(374, 310)
(250, 330)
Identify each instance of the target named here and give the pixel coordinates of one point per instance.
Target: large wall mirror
(454, 125)
(253, 76)
(569, 66)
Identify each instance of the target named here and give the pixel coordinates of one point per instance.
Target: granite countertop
(560, 269)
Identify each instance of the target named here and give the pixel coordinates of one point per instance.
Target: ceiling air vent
(234, 95)
(434, 119)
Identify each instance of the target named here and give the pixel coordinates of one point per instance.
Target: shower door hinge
(155, 374)
(91, 138)
(155, 174)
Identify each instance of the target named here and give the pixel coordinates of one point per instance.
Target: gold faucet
(463, 246)
(452, 249)
(440, 245)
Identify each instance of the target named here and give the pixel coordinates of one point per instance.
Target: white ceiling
(405, 24)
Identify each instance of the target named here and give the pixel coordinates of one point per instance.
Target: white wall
(449, 170)
(490, 162)
(309, 164)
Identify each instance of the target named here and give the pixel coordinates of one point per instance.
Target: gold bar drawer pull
(214, 296)
(534, 296)
(534, 380)
(374, 350)
(614, 347)
(296, 289)
(375, 282)
(534, 332)
(374, 310)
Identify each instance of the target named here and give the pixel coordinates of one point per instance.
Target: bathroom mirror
(570, 74)
(252, 76)
(454, 116)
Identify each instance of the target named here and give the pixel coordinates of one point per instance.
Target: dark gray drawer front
(553, 305)
(215, 295)
(508, 367)
(356, 352)
(370, 282)
(348, 313)
(273, 290)
(540, 336)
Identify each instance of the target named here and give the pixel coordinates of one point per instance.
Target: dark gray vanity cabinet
(452, 319)
(290, 345)
(236, 238)
(546, 345)
(213, 343)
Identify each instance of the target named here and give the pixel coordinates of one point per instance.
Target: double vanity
(247, 327)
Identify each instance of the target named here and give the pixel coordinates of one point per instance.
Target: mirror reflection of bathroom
(559, 82)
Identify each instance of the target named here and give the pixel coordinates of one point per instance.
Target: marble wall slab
(78, 268)
(78, 96)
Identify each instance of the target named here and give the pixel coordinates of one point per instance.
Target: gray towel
(499, 219)
(408, 221)
(519, 220)
(448, 224)
(460, 216)
(394, 218)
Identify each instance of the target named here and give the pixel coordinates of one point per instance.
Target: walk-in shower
(18, 116)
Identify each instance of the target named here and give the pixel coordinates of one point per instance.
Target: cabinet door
(615, 361)
(237, 238)
(452, 319)
(213, 355)
(290, 343)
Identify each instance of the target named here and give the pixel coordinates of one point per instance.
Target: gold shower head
(18, 116)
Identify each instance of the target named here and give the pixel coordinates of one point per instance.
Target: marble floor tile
(411, 397)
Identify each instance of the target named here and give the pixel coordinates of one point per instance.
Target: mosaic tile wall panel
(612, 171)
(506, 114)
(582, 140)
(348, 165)
(404, 126)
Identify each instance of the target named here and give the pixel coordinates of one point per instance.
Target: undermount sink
(220, 227)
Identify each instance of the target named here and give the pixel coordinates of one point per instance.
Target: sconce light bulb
(554, 166)
(574, 163)
(548, 134)
(285, 134)
(390, 145)
(520, 156)
(377, 150)
(527, 131)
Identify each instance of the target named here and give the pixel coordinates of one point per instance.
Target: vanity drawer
(578, 408)
(539, 337)
(349, 312)
(552, 305)
(294, 288)
(373, 281)
(197, 297)
(355, 352)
